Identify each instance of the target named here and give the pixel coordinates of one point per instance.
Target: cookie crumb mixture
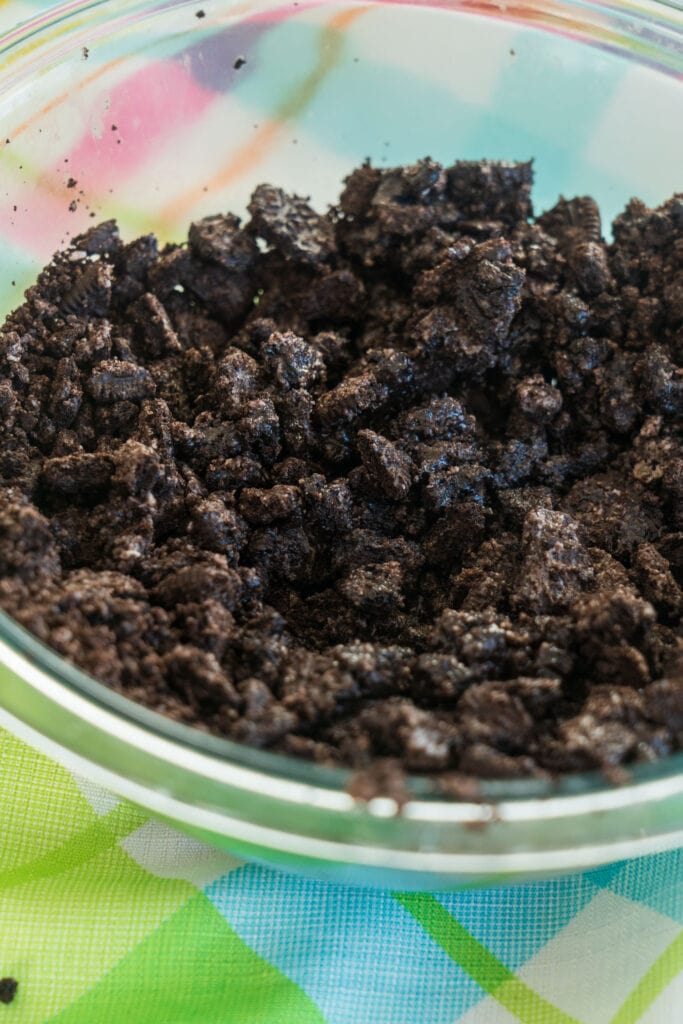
(397, 484)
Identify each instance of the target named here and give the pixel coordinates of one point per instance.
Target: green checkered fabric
(107, 915)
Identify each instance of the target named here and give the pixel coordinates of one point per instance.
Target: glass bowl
(163, 111)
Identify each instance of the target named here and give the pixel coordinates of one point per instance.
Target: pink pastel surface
(171, 100)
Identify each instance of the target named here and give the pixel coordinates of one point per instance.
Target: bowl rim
(220, 758)
(157, 742)
(294, 781)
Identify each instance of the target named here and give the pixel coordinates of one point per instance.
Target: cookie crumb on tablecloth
(8, 989)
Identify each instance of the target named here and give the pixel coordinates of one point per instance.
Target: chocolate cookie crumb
(8, 989)
(396, 486)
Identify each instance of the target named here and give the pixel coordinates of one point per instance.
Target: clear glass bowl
(147, 105)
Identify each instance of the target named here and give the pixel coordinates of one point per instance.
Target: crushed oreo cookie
(401, 483)
(8, 990)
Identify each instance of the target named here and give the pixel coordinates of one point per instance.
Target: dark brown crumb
(8, 989)
(71, 183)
(395, 487)
(384, 778)
(200, 14)
(239, 63)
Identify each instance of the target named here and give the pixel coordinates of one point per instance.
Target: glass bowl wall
(163, 111)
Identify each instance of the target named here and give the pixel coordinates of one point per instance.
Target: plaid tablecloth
(109, 916)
